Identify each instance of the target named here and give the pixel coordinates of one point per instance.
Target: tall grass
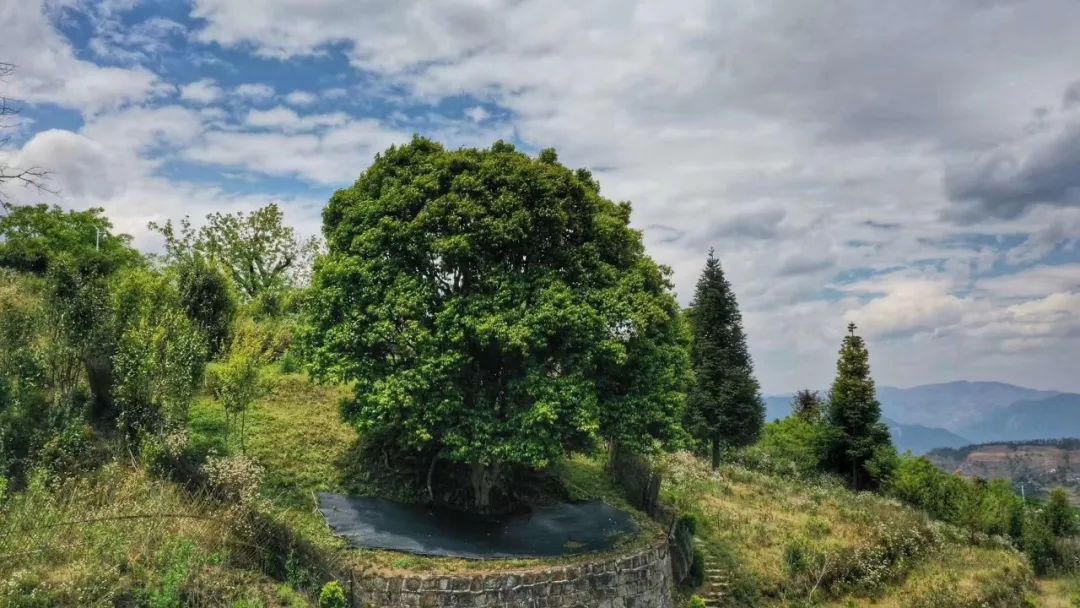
(119, 537)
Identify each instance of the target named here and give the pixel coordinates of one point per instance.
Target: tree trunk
(715, 453)
(484, 479)
(99, 376)
(430, 475)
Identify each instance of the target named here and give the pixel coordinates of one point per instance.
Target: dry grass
(119, 537)
(786, 541)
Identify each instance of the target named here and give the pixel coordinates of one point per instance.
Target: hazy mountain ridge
(917, 438)
(955, 406)
(955, 414)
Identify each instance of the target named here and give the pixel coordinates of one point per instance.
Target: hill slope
(1040, 466)
(772, 541)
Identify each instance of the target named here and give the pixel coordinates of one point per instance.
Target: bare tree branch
(29, 177)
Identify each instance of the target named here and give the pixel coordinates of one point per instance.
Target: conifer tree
(724, 407)
(857, 434)
(808, 405)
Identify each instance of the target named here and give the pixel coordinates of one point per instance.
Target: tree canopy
(724, 405)
(258, 250)
(494, 309)
(33, 238)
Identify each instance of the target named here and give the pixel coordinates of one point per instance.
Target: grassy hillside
(766, 540)
(776, 542)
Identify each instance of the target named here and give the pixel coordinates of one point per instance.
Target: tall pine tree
(724, 407)
(858, 436)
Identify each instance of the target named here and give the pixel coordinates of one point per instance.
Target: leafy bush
(239, 381)
(794, 444)
(208, 301)
(697, 602)
(332, 596)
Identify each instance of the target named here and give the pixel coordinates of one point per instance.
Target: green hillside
(766, 540)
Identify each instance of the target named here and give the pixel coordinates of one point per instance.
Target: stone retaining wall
(639, 580)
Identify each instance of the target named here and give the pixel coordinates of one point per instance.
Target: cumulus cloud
(257, 91)
(332, 157)
(816, 147)
(285, 119)
(1042, 166)
(301, 98)
(48, 71)
(201, 91)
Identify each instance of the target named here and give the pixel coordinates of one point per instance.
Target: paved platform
(546, 531)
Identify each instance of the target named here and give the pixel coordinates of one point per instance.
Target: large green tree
(494, 310)
(261, 254)
(724, 406)
(859, 438)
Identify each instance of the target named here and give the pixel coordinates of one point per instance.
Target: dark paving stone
(562, 529)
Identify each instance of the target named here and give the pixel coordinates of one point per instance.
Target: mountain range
(955, 414)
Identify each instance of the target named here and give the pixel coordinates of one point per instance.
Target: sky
(913, 167)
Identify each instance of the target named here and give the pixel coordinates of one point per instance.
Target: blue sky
(913, 169)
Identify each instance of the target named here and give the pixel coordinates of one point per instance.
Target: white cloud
(285, 119)
(809, 145)
(201, 91)
(477, 114)
(332, 157)
(301, 98)
(49, 72)
(256, 91)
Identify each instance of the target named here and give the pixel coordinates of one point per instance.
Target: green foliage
(808, 405)
(1038, 543)
(724, 404)
(854, 415)
(34, 238)
(1060, 515)
(795, 444)
(991, 508)
(493, 309)
(261, 254)
(160, 356)
(207, 300)
(918, 482)
(332, 596)
(697, 602)
(239, 381)
(40, 390)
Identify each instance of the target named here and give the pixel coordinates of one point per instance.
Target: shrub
(1059, 513)
(208, 301)
(234, 480)
(697, 602)
(332, 596)
(795, 444)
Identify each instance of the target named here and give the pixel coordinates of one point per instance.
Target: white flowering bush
(235, 481)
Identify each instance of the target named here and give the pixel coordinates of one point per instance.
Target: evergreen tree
(725, 406)
(807, 405)
(858, 436)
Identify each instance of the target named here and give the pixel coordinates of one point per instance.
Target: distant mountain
(1037, 466)
(956, 406)
(1050, 418)
(921, 439)
(915, 437)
